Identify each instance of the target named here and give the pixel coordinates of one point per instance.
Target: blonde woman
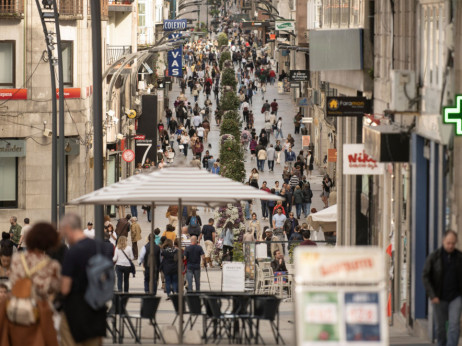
(122, 259)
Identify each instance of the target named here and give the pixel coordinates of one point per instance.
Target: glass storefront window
(8, 182)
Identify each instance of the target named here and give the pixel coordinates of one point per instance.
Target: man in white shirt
(89, 231)
(279, 219)
(197, 121)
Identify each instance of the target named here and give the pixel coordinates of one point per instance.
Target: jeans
(146, 281)
(279, 133)
(134, 210)
(298, 207)
(185, 149)
(448, 312)
(264, 208)
(271, 165)
(171, 283)
(197, 278)
(261, 165)
(247, 211)
(122, 272)
(306, 209)
(148, 213)
(270, 216)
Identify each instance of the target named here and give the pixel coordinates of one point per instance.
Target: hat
(90, 223)
(268, 230)
(134, 218)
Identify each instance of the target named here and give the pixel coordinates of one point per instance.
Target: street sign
(174, 24)
(175, 62)
(303, 102)
(299, 75)
(128, 155)
(346, 106)
(285, 25)
(307, 120)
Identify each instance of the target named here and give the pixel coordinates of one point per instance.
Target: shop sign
(357, 162)
(359, 265)
(175, 24)
(305, 141)
(70, 93)
(295, 85)
(140, 137)
(453, 115)
(299, 75)
(12, 147)
(175, 62)
(303, 102)
(331, 155)
(346, 106)
(13, 94)
(285, 25)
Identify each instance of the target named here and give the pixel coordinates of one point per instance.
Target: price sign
(321, 313)
(362, 317)
(362, 313)
(128, 155)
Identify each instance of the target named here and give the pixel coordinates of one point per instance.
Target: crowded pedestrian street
(245, 172)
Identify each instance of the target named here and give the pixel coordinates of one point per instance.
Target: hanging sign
(284, 25)
(346, 106)
(12, 147)
(305, 141)
(70, 93)
(175, 62)
(331, 155)
(175, 24)
(128, 155)
(357, 162)
(299, 75)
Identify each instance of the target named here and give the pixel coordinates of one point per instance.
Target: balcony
(115, 52)
(11, 8)
(104, 10)
(120, 5)
(70, 9)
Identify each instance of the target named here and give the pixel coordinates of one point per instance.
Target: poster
(233, 277)
(321, 317)
(357, 162)
(305, 141)
(362, 316)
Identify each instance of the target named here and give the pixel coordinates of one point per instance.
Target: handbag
(132, 266)
(181, 147)
(219, 244)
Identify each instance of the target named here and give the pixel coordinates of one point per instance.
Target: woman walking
(253, 179)
(255, 227)
(228, 242)
(122, 258)
(298, 200)
(170, 267)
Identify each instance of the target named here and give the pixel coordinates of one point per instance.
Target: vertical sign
(146, 141)
(175, 62)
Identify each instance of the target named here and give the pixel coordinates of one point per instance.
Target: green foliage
(234, 115)
(229, 101)
(232, 160)
(230, 127)
(223, 57)
(222, 39)
(238, 252)
(228, 77)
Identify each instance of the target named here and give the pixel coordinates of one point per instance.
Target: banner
(174, 24)
(175, 62)
(357, 162)
(13, 94)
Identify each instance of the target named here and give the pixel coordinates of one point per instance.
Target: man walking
(80, 323)
(15, 231)
(270, 155)
(145, 260)
(193, 255)
(136, 236)
(290, 158)
(264, 203)
(208, 232)
(274, 107)
(279, 219)
(123, 226)
(261, 158)
(442, 278)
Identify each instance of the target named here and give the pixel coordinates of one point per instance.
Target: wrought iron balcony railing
(11, 8)
(115, 52)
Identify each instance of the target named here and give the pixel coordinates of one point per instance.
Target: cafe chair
(219, 322)
(174, 300)
(266, 308)
(115, 311)
(148, 310)
(194, 304)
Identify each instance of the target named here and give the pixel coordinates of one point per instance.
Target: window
(68, 62)
(8, 182)
(7, 64)
(141, 14)
(314, 9)
(342, 14)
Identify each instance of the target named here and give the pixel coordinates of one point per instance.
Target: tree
(222, 40)
(230, 127)
(223, 57)
(229, 101)
(232, 160)
(228, 78)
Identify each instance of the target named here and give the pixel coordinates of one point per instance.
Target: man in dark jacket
(123, 226)
(144, 259)
(442, 278)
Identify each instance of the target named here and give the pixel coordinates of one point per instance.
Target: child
(3, 292)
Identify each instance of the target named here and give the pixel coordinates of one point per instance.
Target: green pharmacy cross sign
(453, 115)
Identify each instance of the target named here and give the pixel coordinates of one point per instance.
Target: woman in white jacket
(123, 256)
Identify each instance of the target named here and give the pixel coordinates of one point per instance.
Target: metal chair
(148, 310)
(266, 308)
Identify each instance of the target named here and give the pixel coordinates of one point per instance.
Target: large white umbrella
(170, 186)
(326, 219)
(192, 185)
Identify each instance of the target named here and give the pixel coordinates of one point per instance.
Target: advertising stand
(340, 296)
